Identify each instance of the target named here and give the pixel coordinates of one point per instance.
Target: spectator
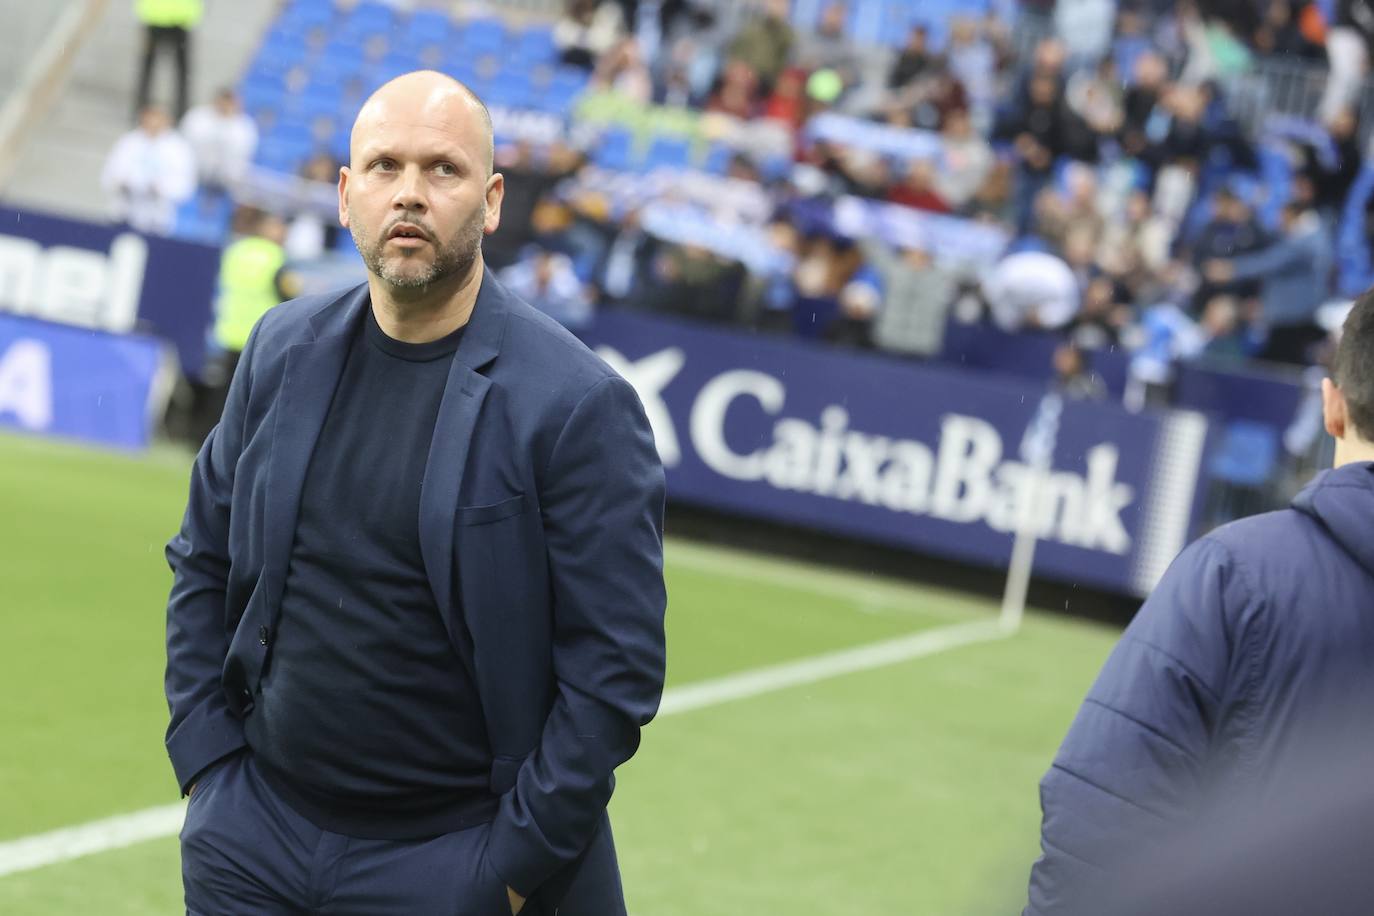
(1072, 377)
(918, 188)
(916, 60)
(1085, 27)
(1293, 276)
(1148, 86)
(1333, 170)
(149, 173)
(787, 103)
(546, 280)
(528, 177)
(586, 31)
(696, 283)
(1282, 33)
(694, 50)
(1095, 96)
(253, 278)
(223, 139)
(1104, 316)
(973, 63)
(828, 46)
(167, 26)
(1347, 52)
(310, 231)
(736, 91)
(1042, 132)
(1231, 232)
(622, 69)
(627, 263)
(966, 159)
(1229, 330)
(765, 44)
(916, 298)
(824, 269)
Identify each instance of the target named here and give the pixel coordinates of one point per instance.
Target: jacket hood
(1342, 499)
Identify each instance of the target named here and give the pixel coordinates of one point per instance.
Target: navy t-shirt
(369, 721)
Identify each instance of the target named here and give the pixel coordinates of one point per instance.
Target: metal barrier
(1291, 88)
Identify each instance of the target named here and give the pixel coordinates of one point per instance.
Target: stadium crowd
(1133, 201)
(1080, 170)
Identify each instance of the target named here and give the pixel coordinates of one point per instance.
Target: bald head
(426, 101)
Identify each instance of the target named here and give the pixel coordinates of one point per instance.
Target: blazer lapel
(464, 394)
(311, 375)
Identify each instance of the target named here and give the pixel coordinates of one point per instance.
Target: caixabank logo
(921, 455)
(964, 476)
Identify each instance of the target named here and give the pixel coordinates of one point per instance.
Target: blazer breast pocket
(482, 515)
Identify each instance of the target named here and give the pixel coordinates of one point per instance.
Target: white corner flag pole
(1037, 452)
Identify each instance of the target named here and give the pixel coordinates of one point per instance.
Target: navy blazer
(541, 532)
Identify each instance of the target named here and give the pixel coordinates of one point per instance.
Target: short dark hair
(1352, 369)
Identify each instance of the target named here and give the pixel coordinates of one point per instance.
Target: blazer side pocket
(481, 515)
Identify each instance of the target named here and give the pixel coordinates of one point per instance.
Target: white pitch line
(865, 594)
(87, 839)
(117, 832)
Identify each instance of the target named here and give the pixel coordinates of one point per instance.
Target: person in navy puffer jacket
(1253, 657)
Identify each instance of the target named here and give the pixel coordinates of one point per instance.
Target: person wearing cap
(1255, 649)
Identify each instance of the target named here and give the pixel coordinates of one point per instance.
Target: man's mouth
(406, 232)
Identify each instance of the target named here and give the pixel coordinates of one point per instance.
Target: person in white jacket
(223, 138)
(149, 173)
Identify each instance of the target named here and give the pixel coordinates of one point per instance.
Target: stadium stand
(1112, 165)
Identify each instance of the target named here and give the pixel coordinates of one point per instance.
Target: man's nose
(410, 191)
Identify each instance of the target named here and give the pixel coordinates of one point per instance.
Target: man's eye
(383, 165)
(446, 168)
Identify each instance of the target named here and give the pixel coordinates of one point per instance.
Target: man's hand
(517, 903)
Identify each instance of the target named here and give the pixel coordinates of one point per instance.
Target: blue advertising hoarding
(914, 455)
(57, 380)
(108, 278)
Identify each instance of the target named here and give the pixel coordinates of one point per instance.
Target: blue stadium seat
(534, 46)
(428, 27)
(286, 145)
(614, 150)
(278, 55)
(338, 63)
(668, 152)
(366, 20)
(304, 15)
(204, 218)
(1248, 454)
(513, 89)
(261, 94)
(718, 158)
(481, 36)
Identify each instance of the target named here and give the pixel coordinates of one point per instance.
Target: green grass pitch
(904, 789)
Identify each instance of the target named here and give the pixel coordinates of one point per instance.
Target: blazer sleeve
(202, 728)
(1133, 763)
(602, 504)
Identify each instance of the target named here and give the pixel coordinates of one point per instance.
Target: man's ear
(496, 192)
(1334, 410)
(343, 196)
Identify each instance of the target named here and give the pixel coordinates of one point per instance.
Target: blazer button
(246, 696)
(262, 635)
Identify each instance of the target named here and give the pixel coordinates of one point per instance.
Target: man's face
(153, 120)
(417, 196)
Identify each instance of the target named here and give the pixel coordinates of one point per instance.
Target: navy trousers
(245, 853)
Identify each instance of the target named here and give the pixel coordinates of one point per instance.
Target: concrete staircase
(59, 168)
